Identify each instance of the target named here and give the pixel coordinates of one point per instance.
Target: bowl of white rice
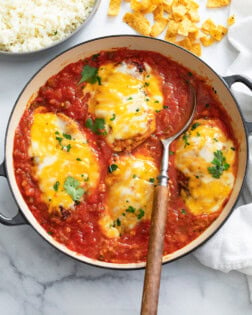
(30, 26)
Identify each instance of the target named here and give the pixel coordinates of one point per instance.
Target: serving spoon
(158, 220)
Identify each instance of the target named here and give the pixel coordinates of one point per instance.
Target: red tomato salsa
(79, 229)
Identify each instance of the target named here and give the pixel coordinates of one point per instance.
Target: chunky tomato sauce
(79, 229)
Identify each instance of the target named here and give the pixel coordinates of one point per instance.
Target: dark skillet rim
(154, 39)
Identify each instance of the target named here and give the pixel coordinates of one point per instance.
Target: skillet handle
(18, 219)
(230, 80)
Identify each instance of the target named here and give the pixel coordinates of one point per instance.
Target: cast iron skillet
(192, 63)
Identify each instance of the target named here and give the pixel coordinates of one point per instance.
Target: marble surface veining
(36, 279)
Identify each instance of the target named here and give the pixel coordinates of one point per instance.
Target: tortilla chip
(192, 5)
(207, 40)
(167, 6)
(143, 6)
(219, 32)
(158, 27)
(170, 38)
(178, 12)
(231, 20)
(186, 26)
(138, 22)
(217, 3)
(172, 28)
(193, 35)
(207, 26)
(185, 43)
(114, 7)
(158, 13)
(193, 15)
(196, 49)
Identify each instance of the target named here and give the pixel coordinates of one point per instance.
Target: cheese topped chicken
(206, 158)
(65, 165)
(127, 99)
(129, 193)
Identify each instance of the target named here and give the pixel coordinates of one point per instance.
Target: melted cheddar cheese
(60, 151)
(129, 194)
(127, 101)
(194, 156)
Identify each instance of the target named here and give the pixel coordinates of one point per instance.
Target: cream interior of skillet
(87, 154)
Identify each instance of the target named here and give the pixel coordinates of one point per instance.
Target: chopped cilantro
(165, 106)
(146, 84)
(89, 74)
(207, 105)
(98, 80)
(72, 187)
(183, 211)
(152, 180)
(158, 111)
(59, 139)
(66, 147)
(171, 152)
(147, 99)
(137, 110)
(56, 186)
(129, 98)
(156, 101)
(190, 74)
(113, 117)
(130, 209)
(86, 179)
(185, 138)
(57, 133)
(197, 176)
(95, 56)
(78, 159)
(140, 214)
(118, 222)
(69, 137)
(232, 148)
(134, 176)
(198, 134)
(49, 232)
(112, 168)
(96, 126)
(194, 126)
(219, 163)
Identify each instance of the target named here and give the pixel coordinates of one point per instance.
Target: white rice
(29, 25)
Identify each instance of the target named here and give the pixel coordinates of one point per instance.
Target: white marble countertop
(37, 279)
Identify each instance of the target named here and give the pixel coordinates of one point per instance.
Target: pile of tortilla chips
(178, 18)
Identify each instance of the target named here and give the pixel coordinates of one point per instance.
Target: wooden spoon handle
(155, 252)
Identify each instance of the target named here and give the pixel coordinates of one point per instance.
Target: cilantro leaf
(66, 136)
(194, 126)
(112, 168)
(72, 187)
(113, 117)
(89, 74)
(185, 139)
(97, 126)
(140, 214)
(219, 163)
(56, 186)
(130, 209)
